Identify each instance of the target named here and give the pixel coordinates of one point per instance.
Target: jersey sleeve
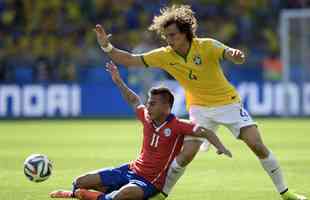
(186, 127)
(140, 113)
(217, 48)
(153, 58)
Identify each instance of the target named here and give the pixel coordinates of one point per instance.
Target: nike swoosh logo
(173, 64)
(274, 170)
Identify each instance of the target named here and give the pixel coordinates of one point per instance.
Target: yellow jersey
(199, 73)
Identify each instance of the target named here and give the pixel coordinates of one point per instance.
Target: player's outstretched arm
(118, 56)
(234, 55)
(213, 139)
(130, 96)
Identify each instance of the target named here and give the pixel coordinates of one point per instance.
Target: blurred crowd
(54, 41)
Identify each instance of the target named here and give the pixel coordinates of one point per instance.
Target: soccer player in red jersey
(163, 136)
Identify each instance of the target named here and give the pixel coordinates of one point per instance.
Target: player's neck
(184, 48)
(160, 120)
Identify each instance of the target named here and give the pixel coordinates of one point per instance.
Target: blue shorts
(114, 178)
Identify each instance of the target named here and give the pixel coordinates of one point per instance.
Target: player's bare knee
(259, 149)
(78, 182)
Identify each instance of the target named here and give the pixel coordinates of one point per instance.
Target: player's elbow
(134, 61)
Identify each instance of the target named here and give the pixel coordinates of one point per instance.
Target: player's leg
(91, 180)
(104, 180)
(190, 148)
(178, 165)
(251, 136)
(137, 188)
(127, 192)
(243, 127)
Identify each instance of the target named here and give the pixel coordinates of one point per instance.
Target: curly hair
(181, 15)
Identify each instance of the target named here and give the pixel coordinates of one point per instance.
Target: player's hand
(226, 152)
(102, 37)
(236, 56)
(113, 70)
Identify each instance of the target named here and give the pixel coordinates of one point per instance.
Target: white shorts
(233, 116)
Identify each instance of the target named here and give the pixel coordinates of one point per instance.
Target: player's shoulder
(140, 107)
(208, 41)
(141, 112)
(182, 121)
(164, 49)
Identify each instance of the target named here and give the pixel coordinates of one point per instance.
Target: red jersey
(160, 146)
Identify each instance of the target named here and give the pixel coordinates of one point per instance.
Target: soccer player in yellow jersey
(211, 100)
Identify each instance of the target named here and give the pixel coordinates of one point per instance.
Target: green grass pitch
(80, 146)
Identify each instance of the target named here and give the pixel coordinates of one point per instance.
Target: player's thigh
(114, 178)
(105, 180)
(129, 192)
(234, 117)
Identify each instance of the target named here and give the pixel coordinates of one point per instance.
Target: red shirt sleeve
(186, 127)
(140, 113)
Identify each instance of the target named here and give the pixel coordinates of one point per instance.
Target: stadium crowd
(53, 40)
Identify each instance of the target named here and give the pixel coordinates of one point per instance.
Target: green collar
(185, 57)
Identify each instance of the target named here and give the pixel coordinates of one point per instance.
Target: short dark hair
(181, 15)
(165, 93)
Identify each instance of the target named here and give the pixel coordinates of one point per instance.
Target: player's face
(156, 107)
(174, 37)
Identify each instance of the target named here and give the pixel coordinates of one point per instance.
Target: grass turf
(80, 146)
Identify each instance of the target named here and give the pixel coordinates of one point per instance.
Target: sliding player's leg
(138, 188)
(127, 192)
(190, 148)
(103, 180)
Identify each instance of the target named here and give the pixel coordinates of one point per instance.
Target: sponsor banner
(61, 100)
(101, 100)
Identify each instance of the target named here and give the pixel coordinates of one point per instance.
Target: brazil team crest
(197, 60)
(167, 132)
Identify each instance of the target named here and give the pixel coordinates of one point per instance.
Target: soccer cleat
(292, 196)
(61, 194)
(84, 194)
(159, 196)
